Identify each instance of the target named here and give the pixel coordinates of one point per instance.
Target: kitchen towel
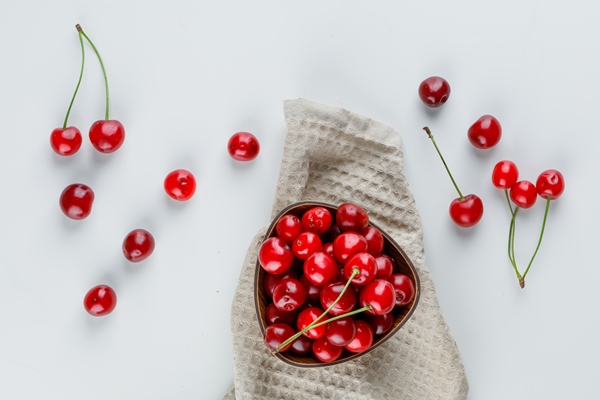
(334, 155)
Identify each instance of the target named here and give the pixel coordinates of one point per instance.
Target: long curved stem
(548, 199)
(106, 115)
(78, 82)
(426, 129)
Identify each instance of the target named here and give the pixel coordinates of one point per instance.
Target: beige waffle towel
(334, 155)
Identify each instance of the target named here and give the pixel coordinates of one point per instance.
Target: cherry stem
(101, 65)
(355, 271)
(78, 82)
(426, 129)
(548, 199)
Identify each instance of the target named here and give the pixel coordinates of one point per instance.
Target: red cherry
(332, 233)
(348, 244)
(180, 185)
(328, 248)
(289, 295)
(380, 295)
(374, 240)
(331, 292)
(306, 244)
(306, 317)
(288, 228)
(270, 281)
(275, 256)
(138, 245)
(523, 194)
(76, 201)
(341, 331)
(505, 174)
(65, 141)
(312, 291)
(107, 135)
(275, 316)
(302, 345)
(363, 339)
(404, 289)
(381, 323)
(325, 351)
(276, 334)
(243, 146)
(350, 217)
(550, 183)
(366, 265)
(317, 220)
(385, 267)
(466, 212)
(320, 268)
(434, 91)
(485, 132)
(100, 300)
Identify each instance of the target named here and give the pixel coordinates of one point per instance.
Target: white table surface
(184, 76)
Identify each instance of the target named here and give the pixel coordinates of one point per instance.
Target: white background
(184, 76)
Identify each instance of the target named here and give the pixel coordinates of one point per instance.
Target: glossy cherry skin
(348, 244)
(325, 351)
(276, 334)
(289, 295)
(434, 91)
(302, 345)
(523, 194)
(328, 248)
(351, 217)
(380, 295)
(467, 212)
(107, 136)
(320, 269)
(65, 141)
(404, 289)
(76, 201)
(367, 267)
(341, 331)
(363, 339)
(275, 256)
(550, 183)
(180, 184)
(374, 240)
(138, 245)
(288, 228)
(485, 132)
(317, 220)
(306, 317)
(100, 300)
(331, 292)
(270, 280)
(505, 174)
(306, 244)
(243, 146)
(381, 323)
(275, 316)
(385, 267)
(312, 291)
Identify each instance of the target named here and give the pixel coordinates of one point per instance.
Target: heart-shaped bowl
(401, 314)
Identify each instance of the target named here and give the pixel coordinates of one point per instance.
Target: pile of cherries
(330, 286)
(107, 136)
(485, 133)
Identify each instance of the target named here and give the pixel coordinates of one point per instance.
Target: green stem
(511, 243)
(426, 129)
(548, 199)
(78, 82)
(106, 115)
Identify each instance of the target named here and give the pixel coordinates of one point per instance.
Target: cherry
(180, 185)
(302, 345)
(288, 228)
(312, 291)
(328, 248)
(350, 217)
(289, 295)
(320, 268)
(404, 289)
(275, 316)
(306, 244)
(76, 201)
(275, 256)
(385, 267)
(550, 183)
(505, 174)
(100, 300)
(363, 339)
(276, 334)
(523, 194)
(381, 323)
(434, 91)
(306, 317)
(330, 293)
(485, 132)
(243, 146)
(380, 295)
(366, 265)
(270, 280)
(374, 240)
(465, 211)
(348, 244)
(341, 331)
(317, 220)
(138, 245)
(325, 351)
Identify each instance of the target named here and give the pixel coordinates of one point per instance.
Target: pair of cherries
(321, 271)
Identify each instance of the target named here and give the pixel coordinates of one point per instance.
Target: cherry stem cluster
(78, 82)
(317, 322)
(511, 239)
(426, 129)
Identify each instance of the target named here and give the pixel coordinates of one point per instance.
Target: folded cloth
(335, 156)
